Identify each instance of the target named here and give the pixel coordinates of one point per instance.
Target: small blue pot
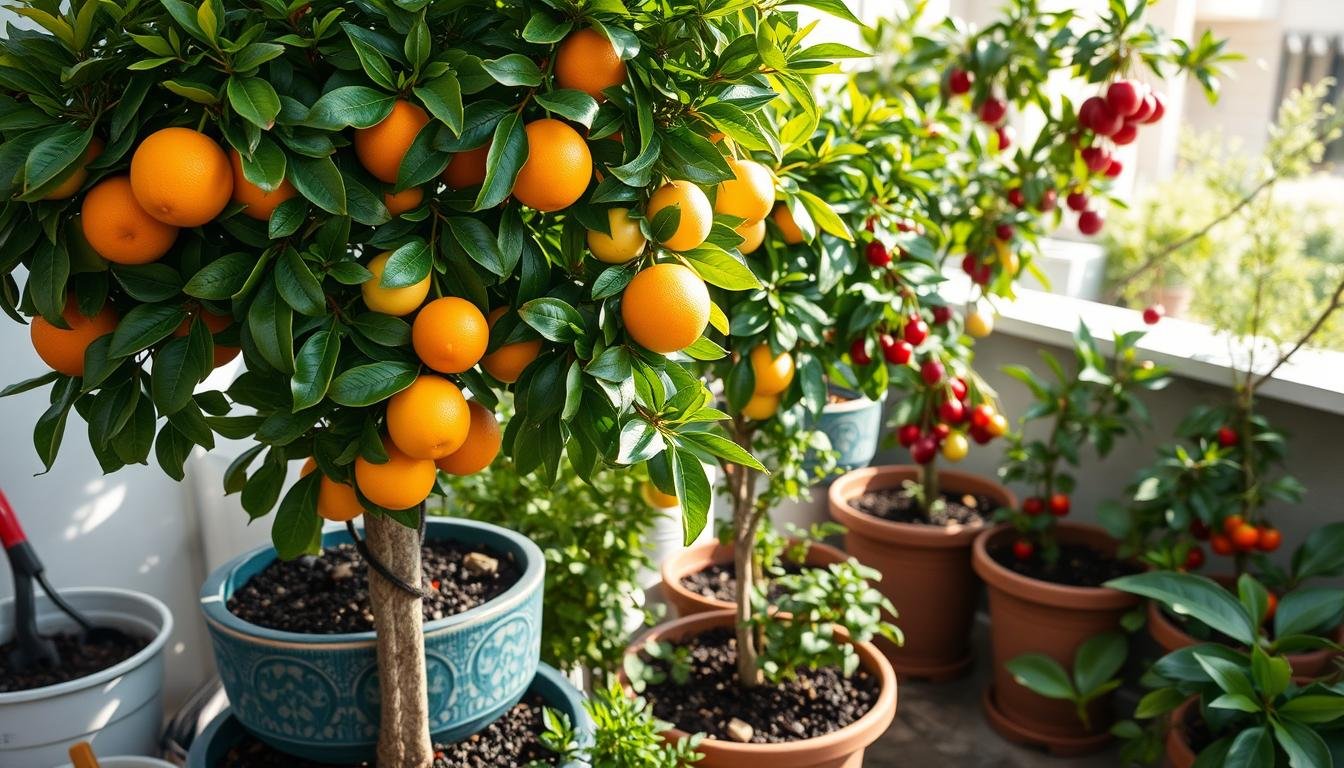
(854, 428)
(225, 730)
(316, 696)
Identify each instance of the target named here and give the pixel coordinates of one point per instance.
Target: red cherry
(1126, 135)
(1059, 505)
(924, 449)
(1114, 169)
(1232, 523)
(1199, 530)
(1004, 232)
(1048, 198)
(1152, 314)
(958, 388)
(982, 415)
(1194, 559)
(1123, 97)
(1006, 135)
(1023, 549)
(870, 224)
(858, 352)
(1146, 107)
(1016, 198)
(1228, 437)
(1033, 506)
(1089, 222)
(1271, 606)
(1077, 201)
(896, 351)
(993, 110)
(1159, 108)
(1246, 537)
(916, 330)
(931, 371)
(877, 254)
(1100, 118)
(907, 435)
(981, 435)
(1221, 544)
(978, 272)
(941, 314)
(959, 81)
(1096, 159)
(940, 431)
(952, 411)
(1270, 539)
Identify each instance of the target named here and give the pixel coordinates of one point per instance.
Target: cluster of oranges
(773, 374)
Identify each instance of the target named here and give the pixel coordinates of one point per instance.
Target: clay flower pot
(839, 749)
(1032, 616)
(1179, 753)
(926, 570)
(700, 557)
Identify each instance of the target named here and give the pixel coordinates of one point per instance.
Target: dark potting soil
(1078, 566)
(898, 506)
(813, 704)
(511, 741)
(1196, 730)
(719, 582)
(330, 594)
(78, 659)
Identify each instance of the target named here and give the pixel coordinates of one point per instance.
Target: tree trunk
(403, 736)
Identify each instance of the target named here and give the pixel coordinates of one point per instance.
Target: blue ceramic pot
(854, 427)
(225, 730)
(316, 696)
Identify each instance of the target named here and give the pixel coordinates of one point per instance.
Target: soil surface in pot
(899, 506)
(1078, 566)
(1196, 731)
(719, 582)
(813, 704)
(512, 740)
(329, 594)
(78, 659)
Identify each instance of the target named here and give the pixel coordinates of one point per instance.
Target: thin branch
(1336, 301)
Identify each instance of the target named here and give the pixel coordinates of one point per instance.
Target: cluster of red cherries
(1116, 116)
(899, 349)
(1057, 504)
(956, 419)
(1237, 537)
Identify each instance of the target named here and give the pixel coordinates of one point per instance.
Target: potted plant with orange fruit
(385, 209)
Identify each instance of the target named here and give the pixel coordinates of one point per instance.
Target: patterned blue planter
(316, 696)
(854, 428)
(225, 730)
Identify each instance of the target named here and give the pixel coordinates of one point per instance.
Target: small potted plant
(1038, 567)
(625, 734)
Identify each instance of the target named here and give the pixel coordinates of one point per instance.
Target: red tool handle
(11, 533)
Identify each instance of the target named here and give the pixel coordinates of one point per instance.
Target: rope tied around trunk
(382, 569)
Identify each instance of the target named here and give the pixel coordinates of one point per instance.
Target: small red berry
(1089, 222)
(993, 110)
(1006, 135)
(941, 314)
(1123, 97)
(959, 81)
(1146, 106)
(1228, 437)
(907, 435)
(858, 352)
(1271, 606)
(1059, 505)
(916, 330)
(1077, 201)
(940, 431)
(1199, 530)
(924, 449)
(1033, 506)
(1154, 313)
(1159, 108)
(1096, 158)
(1269, 540)
(1246, 537)
(1016, 197)
(952, 411)
(931, 371)
(1114, 169)
(895, 351)
(1221, 544)
(1097, 115)
(1194, 559)
(1231, 523)
(958, 388)
(982, 415)
(1126, 135)
(877, 254)
(977, 271)
(981, 435)
(1004, 232)
(1023, 549)
(1048, 199)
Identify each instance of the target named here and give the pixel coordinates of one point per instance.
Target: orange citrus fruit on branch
(481, 446)
(257, 202)
(63, 350)
(587, 61)
(656, 498)
(467, 169)
(382, 147)
(406, 200)
(624, 243)
(697, 216)
(750, 194)
(215, 323)
(788, 228)
(665, 308)
(773, 374)
(558, 168)
(118, 228)
(428, 420)
(80, 174)
(752, 234)
(450, 334)
(509, 361)
(391, 301)
(761, 407)
(336, 502)
(400, 483)
(181, 177)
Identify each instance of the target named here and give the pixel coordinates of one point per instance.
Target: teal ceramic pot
(316, 696)
(225, 730)
(854, 428)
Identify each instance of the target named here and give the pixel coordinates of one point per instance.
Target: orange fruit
(979, 324)
(336, 502)
(380, 148)
(75, 181)
(773, 374)
(181, 177)
(761, 407)
(587, 61)
(665, 308)
(509, 361)
(63, 350)
(481, 446)
(215, 323)
(391, 301)
(558, 168)
(118, 228)
(467, 169)
(450, 334)
(750, 194)
(697, 217)
(406, 200)
(657, 498)
(400, 483)
(624, 243)
(257, 202)
(788, 228)
(752, 234)
(428, 420)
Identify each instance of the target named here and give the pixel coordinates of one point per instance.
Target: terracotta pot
(698, 558)
(1032, 616)
(1179, 753)
(1171, 637)
(840, 749)
(926, 570)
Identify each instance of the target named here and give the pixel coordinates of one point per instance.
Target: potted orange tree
(383, 209)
